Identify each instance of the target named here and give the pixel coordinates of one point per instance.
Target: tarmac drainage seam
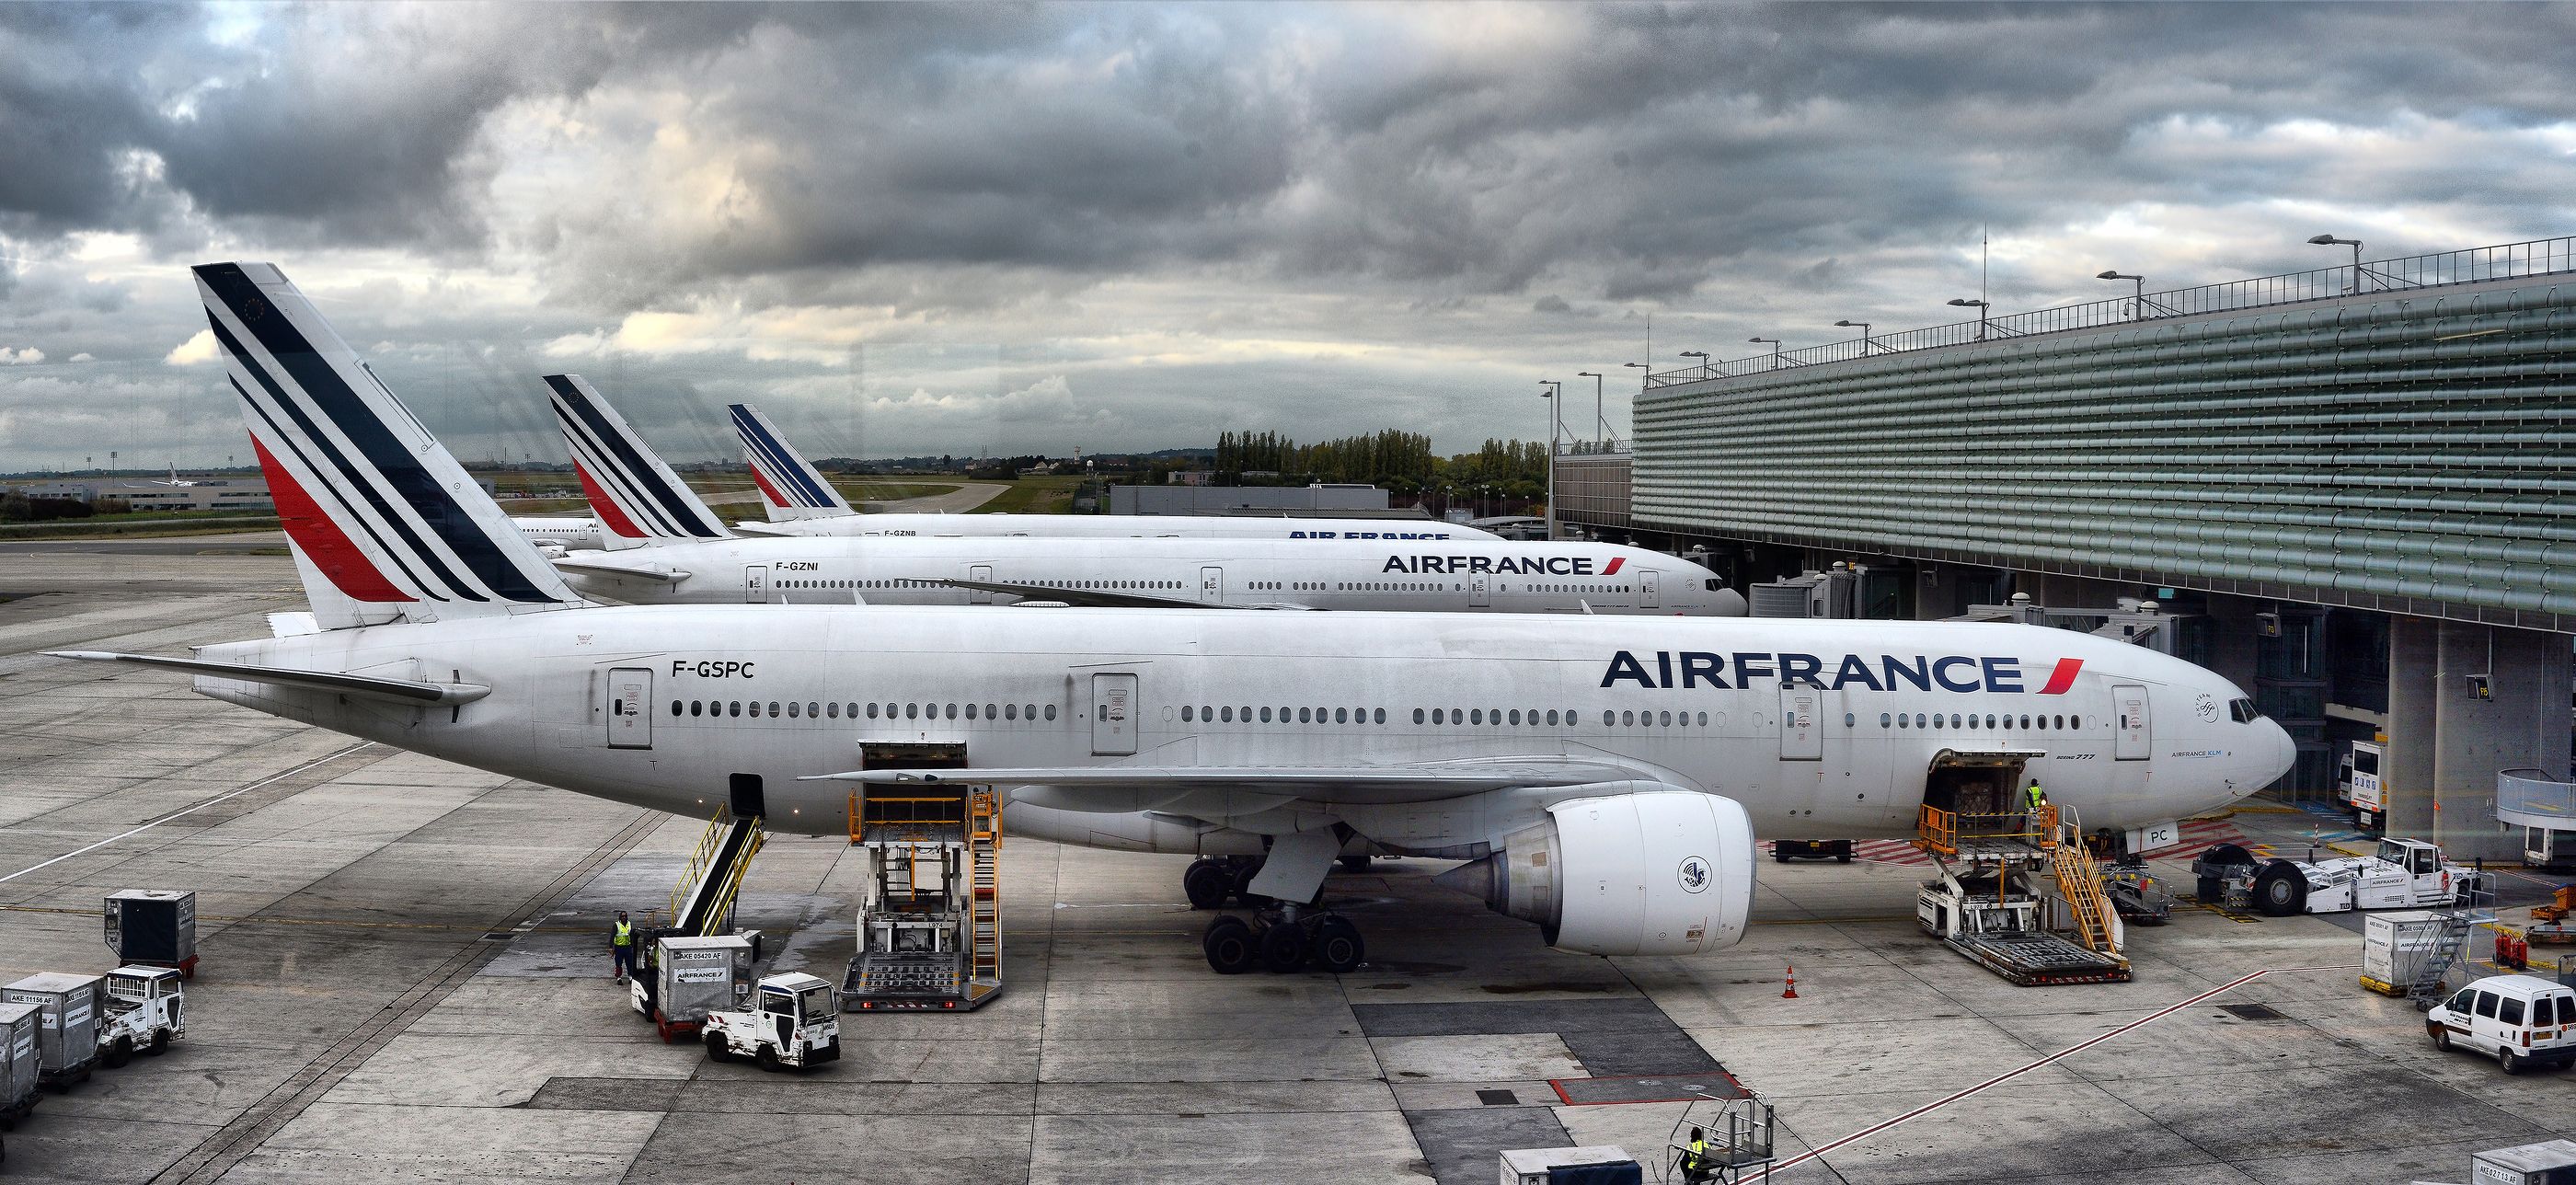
(235, 1141)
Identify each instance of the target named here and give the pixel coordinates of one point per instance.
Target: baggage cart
(66, 1026)
(154, 928)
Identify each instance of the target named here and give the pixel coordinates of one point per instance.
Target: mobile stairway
(930, 922)
(2012, 889)
(702, 901)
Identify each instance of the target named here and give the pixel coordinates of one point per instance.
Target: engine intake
(1635, 868)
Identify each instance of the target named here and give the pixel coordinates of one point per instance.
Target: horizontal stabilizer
(596, 564)
(401, 691)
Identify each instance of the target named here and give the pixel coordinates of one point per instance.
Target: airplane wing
(1144, 787)
(765, 530)
(1102, 598)
(400, 691)
(602, 563)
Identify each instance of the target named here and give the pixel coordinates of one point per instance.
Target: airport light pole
(1595, 376)
(1772, 342)
(2328, 241)
(1555, 419)
(1980, 306)
(1866, 346)
(2137, 310)
(1702, 355)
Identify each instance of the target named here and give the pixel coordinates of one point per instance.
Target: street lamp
(1980, 306)
(1702, 355)
(1555, 418)
(1863, 326)
(1595, 376)
(2355, 244)
(2138, 310)
(1772, 342)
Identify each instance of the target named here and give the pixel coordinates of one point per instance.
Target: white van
(2521, 1019)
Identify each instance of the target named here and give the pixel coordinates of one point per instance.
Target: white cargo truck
(144, 1008)
(67, 1024)
(795, 1020)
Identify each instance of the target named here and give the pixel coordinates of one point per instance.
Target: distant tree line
(1502, 472)
(16, 507)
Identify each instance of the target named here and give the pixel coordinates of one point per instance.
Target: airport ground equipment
(140, 1009)
(2549, 1162)
(794, 1020)
(2401, 874)
(2136, 895)
(2521, 1021)
(1836, 850)
(702, 902)
(2408, 953)
(683, 978)
(1600, 1164)
(1737, 1139)
(2004, 879)
(930, 914)
(20, 1066)
(2554, 923)
(2357, 783)
(154, 928)
(67, 1030)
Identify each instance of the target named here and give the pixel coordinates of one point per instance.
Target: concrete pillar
(2524, 725)
(2414, 672)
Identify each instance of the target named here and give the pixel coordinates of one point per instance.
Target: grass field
(890, 491)
(1035, 495)
(203, 522)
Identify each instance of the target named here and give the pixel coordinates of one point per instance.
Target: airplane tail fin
(637, 497)
(790, 487)
(384, 524)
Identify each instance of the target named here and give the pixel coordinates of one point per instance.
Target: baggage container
(154, 928)
(19, 1024)
(67, 1024)
(690, 977)
(2396, 948)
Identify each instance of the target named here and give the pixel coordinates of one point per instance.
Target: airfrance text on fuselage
(1365, 535)
(1529, 565)
(1694, 668)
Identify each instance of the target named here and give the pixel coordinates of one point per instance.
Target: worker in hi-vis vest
(2038, 797)
(1695, 1166)
(621, 941)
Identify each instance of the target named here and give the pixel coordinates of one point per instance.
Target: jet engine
(1633, 868)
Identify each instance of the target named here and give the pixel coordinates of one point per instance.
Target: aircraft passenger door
(979, 572)
(1480, 590)
(1113, 715)
(1802, 726)
(2129, 702)
(755, 584)
(1211, 586)
(1650, 595)
(630, 708)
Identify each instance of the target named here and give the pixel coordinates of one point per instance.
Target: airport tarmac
(406, 978)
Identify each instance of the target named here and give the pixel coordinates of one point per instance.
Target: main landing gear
(1280, 936)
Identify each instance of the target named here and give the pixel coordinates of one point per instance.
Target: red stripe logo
(604, 506)
(2063, 677)
(1613, 569)
(323, 541)
(771, 492)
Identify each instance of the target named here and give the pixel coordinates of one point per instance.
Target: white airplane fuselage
(1141, 526)
(571, 534)
(769, 692)
(1440, 576)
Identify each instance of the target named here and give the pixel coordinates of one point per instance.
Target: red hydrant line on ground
(2009, 1075)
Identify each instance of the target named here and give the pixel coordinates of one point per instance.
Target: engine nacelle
(1634, 868)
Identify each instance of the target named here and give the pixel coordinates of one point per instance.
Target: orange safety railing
(1941, 831)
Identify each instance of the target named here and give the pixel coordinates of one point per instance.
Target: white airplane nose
(2283, 751)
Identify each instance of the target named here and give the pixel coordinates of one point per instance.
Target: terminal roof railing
(2538, 257)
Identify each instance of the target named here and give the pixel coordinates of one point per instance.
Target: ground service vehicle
(794, 1020)
(2357, 784)
(1836, 850)
(2402, 874)
(142, 1008)
(2520, 1019)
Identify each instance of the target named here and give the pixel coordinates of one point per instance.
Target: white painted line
(2009, 1075)
(272, 778)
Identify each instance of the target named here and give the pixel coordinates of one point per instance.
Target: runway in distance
(1609, 774)
(801, 501)
(684, 557)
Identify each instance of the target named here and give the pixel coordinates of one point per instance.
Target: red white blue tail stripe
(384, 523)
(636, 496)
(790, 487)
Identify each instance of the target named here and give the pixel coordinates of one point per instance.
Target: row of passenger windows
(820, 711)
(1955, 720)
(863, 584)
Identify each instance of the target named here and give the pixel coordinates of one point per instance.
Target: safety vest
(625, 934)
(1698, 1150)
(2035, 796)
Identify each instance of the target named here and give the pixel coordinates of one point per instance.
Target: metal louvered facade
(2402, 451)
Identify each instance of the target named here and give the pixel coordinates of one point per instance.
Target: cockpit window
(1713, 583)
(2242, 711)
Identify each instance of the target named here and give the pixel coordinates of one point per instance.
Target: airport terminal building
(2350, 490)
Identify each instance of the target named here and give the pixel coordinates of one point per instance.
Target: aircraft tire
(1229, 946)
(1243, 894)
(1207, 883)
(1339, 947)
(2280, 891)
(2228, 853)
(1283, 949)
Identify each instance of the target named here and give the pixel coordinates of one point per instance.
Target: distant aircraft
(801, 501)
(668, 548)
(1607, 777)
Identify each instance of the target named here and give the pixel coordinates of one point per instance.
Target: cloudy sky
(961, 228)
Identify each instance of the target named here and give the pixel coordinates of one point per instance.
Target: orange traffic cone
(1791, 993)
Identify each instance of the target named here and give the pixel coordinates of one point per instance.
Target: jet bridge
(929, 925)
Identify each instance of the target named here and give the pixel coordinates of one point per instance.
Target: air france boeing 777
(684, 556)
(1608, 775)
